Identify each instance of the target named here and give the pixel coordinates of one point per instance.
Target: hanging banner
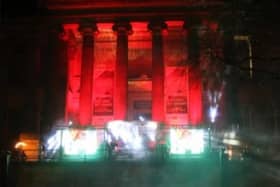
(176, 76)
(103, 97)
(103, 81)
(176, 100)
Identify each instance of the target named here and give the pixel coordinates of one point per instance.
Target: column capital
(191, 23)
(214, 26)
(211, 24)
(157, 26)
(122, 27)
(70, 31)
(56, 28)
(55, 31)
(87, 28)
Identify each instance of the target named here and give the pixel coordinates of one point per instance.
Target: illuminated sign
(186, 141)
(76, 141)
(131, 137)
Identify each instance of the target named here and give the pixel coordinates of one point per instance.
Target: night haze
(140, 93)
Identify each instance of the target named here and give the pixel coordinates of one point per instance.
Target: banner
(103, 79)
(103, 97)
(176, 100)
(176, 76)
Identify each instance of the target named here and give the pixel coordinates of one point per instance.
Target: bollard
(4, 167)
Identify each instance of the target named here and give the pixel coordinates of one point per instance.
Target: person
(19, 155)
(43, 152)
(22, 155)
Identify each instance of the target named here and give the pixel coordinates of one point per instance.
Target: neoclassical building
(89, 62)
(130, 59)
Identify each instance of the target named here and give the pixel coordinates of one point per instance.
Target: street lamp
(248, 41)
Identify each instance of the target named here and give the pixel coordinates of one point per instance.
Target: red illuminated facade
(134, 58)
(92, 61)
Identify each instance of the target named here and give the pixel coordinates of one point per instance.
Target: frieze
(72, 4)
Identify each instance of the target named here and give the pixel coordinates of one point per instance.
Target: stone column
(218, 78)
(195, 82)
(85, 112)
(122, 30)
(156, 28)
(52, 91)
(192, 40)
(231, 105)
(37, 86)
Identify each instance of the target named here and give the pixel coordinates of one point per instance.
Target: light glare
(213, 113)
(183, 141)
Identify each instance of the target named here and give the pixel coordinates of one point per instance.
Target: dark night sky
(260, 18)
(19, 8)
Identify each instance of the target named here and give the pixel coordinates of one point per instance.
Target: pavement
(196, 172)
